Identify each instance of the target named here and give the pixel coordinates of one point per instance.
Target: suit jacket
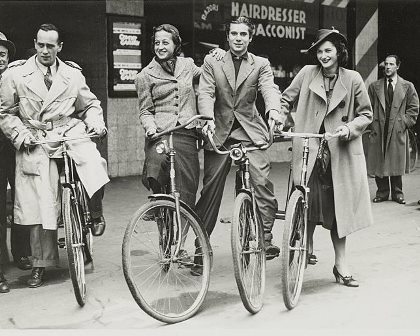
(224, 98)
(394, 160)
(165, 99)
(25, 98)
(349, 105)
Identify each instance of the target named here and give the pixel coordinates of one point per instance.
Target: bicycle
(413, 148)
(294, 250)
(155, 263)
(75, 217)
(247, 234)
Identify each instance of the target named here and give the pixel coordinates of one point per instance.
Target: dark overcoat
(350, 106)
(405, 108)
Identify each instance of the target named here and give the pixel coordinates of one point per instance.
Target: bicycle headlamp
(236, 154)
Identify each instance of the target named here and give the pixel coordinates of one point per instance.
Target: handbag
(323, 156)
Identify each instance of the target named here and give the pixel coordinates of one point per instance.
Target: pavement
(384, 258)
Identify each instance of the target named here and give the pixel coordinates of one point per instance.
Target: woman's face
(164, 45)
(327, 55)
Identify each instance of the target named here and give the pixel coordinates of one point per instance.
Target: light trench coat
(24, 98)
(350, 106)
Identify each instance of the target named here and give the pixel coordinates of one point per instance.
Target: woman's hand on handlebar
(342, 132)
(210, 126)
(98, 130)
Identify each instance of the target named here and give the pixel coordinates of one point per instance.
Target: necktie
(390, 91)
(48, 78)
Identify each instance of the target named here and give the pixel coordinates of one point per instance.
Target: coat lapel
(339, 92)
(179, 67)
(33, 77)
(59, 85)
(246, 68)
(317, 86)
(156, 70)
(229, 69)
(380, 92)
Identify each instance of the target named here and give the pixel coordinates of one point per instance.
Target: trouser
(43, 246)
(95, 202)
(383, 186)
(19, 239)
(216, 168)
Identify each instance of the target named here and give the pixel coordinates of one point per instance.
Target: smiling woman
(332, 99)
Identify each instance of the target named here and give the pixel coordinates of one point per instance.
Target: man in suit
(395, 106)
(43, 99)
(227, 92)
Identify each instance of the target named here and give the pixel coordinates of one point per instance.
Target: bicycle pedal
(61, 242)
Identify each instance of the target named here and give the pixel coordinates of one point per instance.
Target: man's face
(47, 46)
(4, 58)
(238, 38)
(391, 66)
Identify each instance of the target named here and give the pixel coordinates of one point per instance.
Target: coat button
(342, 104)
(344, 119)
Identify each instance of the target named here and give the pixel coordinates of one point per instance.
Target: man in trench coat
(227, 92)
(43, 98)
(395, 106)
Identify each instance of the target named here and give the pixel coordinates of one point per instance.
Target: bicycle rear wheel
(74, 244)
(161, 282)
(293, 249)
(247, 239)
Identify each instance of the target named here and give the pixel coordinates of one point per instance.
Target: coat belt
(48, 125)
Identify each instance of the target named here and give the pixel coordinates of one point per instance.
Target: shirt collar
(394, 79)
(242, 57)
(44, 69)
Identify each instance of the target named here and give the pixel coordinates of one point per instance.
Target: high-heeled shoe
(347, 280)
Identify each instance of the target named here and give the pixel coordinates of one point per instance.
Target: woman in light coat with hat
(332, 99)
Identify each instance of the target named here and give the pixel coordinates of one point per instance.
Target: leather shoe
(271, 251)
(23, 263)
(4, 286)
(37, 277)
(379, 199)
(98, 226)
(399, 200)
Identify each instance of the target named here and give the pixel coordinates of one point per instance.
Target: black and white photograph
(211, 167)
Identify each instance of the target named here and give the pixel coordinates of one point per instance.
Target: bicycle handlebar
(326, 135)
(64, 139)
(245, 149)
(173, 129)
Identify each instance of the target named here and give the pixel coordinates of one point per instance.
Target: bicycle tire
(413, 149)
(161, 283)
(248, 253)
(74, 245)
(294, 251)
(87, 231)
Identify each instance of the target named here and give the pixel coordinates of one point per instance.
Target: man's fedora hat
(322, 34)
(8, 44)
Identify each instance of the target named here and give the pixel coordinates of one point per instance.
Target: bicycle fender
(184, 205)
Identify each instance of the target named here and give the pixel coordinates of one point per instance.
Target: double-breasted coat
(349, 105)
(394, 161)
(24, 99)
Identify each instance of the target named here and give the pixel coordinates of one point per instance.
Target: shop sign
(126, 35)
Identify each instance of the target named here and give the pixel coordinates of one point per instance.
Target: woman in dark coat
(332, 99)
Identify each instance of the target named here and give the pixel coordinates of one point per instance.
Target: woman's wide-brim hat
(8, 44)
(322, 35)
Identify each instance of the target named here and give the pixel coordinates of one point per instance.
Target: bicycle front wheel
(166, 266)
(247, 239)
(293, 249)
(74, 244)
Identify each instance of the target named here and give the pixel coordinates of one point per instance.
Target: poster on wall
(125, 41)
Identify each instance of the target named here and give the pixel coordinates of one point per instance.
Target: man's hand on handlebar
(210, 126)
(28, 143)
